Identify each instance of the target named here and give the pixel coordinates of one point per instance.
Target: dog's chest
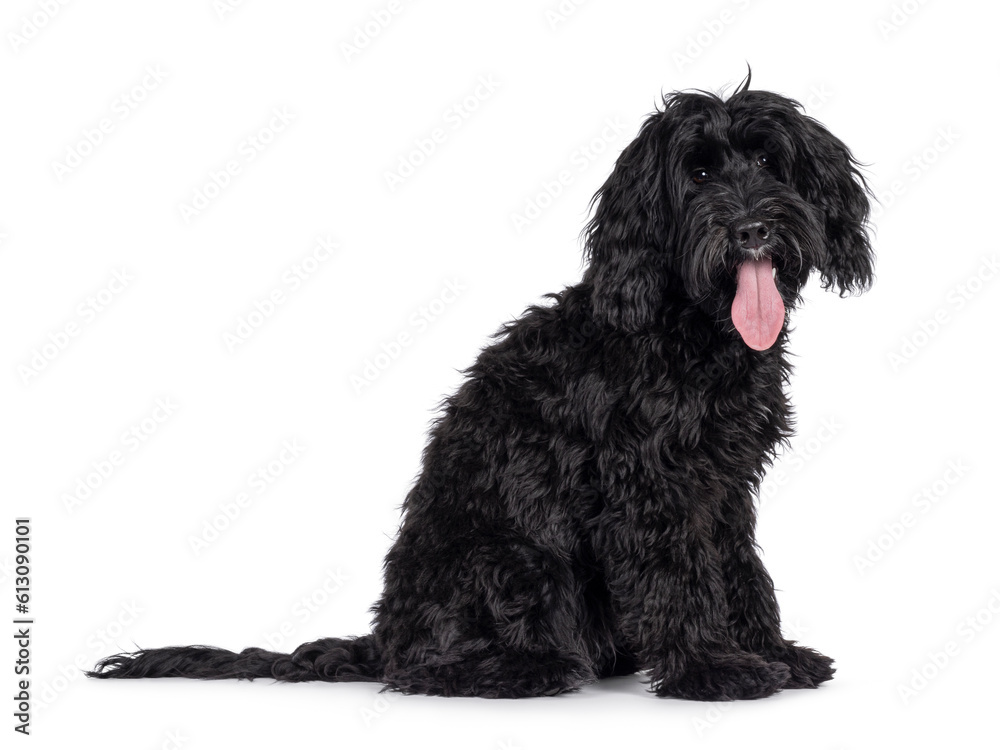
(710, 412)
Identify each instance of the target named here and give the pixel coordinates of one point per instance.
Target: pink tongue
(758, 312)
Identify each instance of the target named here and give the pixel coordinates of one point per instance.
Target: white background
(910, 87)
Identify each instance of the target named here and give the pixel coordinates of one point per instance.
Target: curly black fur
(586, 503)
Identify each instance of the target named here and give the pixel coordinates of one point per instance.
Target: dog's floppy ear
(826, 174)
(626, 237)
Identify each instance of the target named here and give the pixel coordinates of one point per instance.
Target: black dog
(586, 504)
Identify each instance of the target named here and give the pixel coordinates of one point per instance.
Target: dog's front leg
(670, 598)
(755, 621)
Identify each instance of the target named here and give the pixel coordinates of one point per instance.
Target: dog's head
(727, 205)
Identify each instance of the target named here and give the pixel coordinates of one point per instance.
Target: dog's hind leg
(494, 673)
(500, 620)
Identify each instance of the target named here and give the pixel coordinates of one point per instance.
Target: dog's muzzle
(752, 235)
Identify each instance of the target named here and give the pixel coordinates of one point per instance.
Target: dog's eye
(700, 175)
(764, 162)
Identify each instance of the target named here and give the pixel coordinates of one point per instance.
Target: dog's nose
(752, 234)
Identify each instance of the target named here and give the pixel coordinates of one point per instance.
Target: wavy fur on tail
(327, 660)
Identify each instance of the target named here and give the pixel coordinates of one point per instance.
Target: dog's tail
(328, 660)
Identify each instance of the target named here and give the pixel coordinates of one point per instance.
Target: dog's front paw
(727, 677)
(808, 667)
